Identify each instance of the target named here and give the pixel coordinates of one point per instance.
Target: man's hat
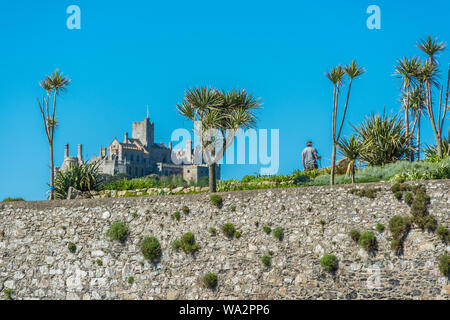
(309, 143)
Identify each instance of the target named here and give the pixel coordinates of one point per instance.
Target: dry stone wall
(35, 262)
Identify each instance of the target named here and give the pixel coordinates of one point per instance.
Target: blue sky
(130, 54)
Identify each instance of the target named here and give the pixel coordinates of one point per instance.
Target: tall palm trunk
(353, 173)
(333, 165)
(52, 173)
(437, 135)
(333, 155)
(212, 178)
(407, 126)
(418, 134)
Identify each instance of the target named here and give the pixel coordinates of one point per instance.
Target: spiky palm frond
(336, 75)
(58, 82)
(351, 147)
(406, 69)
(353, 71)
(429, 73)
(383, 138)
(82, 177)
(45, 84)
(431, 47)
(203, 98)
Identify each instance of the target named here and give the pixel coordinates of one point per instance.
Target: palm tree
(336, 76)
(406, 70)
(54, 85)
(215, 111)
(351, 149)
(237, 111)
(417, 108)
(433, 48)
(199, 105)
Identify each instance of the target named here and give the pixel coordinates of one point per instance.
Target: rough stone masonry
(35, 262)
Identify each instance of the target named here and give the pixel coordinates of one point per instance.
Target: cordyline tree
(406, 70)
(337, 77)
(429, 75)
(54, 85)
(217, 116)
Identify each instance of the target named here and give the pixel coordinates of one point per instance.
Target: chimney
(80, 153)
(66, 151)
(170, 145)
(126, 137)
(102, 152)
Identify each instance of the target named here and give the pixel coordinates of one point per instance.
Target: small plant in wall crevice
(329, 262)
(210, 280)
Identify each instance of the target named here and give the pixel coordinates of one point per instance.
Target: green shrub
(210, 280)
(176, 215)
(130, 280)
(8, 293)
(212, 231)
(405, 187)
(329, 262)
(185, 210)
(237, 234)
(408, 198)
(379, 227)
(72, 247)
(355, 235)
(278, 233)
(233, 208)
(430, 223)
(216, 200)
(150, 248)
(175, 245)
(399, 226)
(9, 199)
(368, 193)
(396, 245)
(99, 262)
(266, 260)
(188, 244)
(398, 195)
(118, 231)
(444, 264)
(368, 241)
(228, 229)
(418, 208)
(396, 187)
(384, 139)
(443, 233)
(83, 177)
(267, 229)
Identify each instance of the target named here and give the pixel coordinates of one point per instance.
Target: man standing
(310, 157)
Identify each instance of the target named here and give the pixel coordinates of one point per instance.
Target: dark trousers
(311, 165)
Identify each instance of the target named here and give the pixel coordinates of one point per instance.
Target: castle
(140, 156)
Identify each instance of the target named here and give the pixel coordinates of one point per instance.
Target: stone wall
(36, 264)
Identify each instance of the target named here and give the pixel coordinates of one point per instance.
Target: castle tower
(80, 153)
(144, 131)
(66, 151)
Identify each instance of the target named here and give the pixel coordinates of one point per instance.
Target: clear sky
(132, 53)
